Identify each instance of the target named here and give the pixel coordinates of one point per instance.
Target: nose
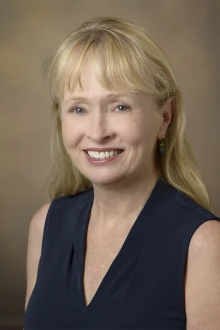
(99, 129)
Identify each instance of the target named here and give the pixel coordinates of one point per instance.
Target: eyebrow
(84, 99)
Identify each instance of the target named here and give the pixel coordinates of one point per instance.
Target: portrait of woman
(128, 240)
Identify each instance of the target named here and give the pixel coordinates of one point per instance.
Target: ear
(166, 115)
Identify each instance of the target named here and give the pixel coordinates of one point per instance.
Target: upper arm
(35, 236)
(202, 286)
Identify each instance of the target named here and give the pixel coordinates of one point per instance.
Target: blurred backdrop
(30, 31)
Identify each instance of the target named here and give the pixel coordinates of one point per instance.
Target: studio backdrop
(30, 31)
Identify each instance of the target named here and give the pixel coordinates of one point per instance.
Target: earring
(162, 146)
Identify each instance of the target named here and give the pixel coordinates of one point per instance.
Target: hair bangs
(69, 68)
(116, 66)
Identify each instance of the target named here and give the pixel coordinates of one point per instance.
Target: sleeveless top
(144, 286)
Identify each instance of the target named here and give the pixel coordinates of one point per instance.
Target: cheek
(70, 133)
(139, 130)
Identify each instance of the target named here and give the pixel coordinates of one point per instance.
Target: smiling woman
(129, 228)
(127, 132)
(125, 58)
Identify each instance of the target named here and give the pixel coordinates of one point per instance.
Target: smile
(103, 154)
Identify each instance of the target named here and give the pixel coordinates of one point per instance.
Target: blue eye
(122, 107)
(77, 110)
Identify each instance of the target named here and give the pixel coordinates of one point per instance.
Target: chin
(104, 180)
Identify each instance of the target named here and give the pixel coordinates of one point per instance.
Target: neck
(120, 204)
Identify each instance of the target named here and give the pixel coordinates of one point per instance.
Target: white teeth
(96, 154)
(102, 154)
(90, 153)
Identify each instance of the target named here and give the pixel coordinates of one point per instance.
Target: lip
(102, 149)
(94, 161)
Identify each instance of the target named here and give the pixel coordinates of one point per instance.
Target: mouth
(103, 154)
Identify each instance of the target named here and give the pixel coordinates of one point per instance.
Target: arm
(202, 286)
(35, 235)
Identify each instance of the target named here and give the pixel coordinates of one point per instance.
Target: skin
(92, 118)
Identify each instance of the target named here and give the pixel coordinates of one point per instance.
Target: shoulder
(187, 204)
(202, 277)
(38, 220)
(206, 237)
(205, 243)
(35, 235)
(65, 204)
(189, 211)
(58, 207)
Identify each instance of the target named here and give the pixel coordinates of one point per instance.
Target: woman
(126, 242)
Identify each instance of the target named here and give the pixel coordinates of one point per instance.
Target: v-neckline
(83, 241)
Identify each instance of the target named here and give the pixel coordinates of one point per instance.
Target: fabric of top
(144, 286)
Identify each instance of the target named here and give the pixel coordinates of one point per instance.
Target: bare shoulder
(38, 221)
(202, 281)
(207, 233)
(35, 235)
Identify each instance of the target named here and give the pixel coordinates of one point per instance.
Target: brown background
(30, 31)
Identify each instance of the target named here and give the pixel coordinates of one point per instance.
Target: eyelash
(127, 107)
(73, 110)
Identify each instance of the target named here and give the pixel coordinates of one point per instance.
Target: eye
(123, 107)
(77, 110)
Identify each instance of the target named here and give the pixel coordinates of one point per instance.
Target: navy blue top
(144, 286)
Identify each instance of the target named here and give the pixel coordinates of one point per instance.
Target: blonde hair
(125, 57)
